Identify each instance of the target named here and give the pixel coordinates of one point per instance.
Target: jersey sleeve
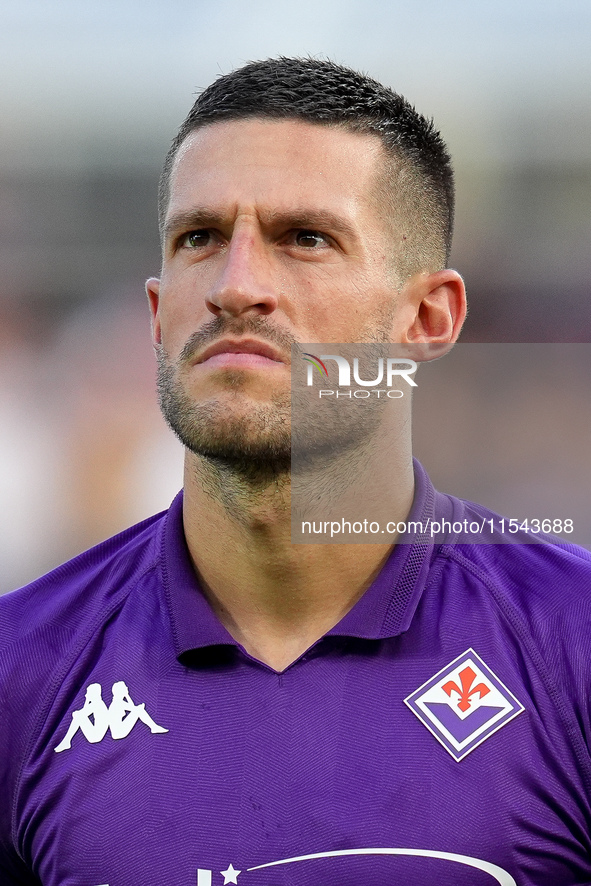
(24, 673)
(13, 871)
(568, 645)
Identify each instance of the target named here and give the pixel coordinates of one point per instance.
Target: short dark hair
(419, 176)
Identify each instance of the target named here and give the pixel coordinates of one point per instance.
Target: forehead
(276, 165)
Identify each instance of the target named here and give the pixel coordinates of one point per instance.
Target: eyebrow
(311, 218)
(194, 218)
(202, 217)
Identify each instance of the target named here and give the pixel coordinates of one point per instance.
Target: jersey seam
(164, 577)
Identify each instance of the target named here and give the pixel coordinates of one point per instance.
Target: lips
(243, 352)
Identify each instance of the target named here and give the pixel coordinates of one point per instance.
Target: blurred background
(91, 95)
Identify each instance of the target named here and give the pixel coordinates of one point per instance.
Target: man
(280, 713)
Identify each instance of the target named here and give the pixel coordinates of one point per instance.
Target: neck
(274, 597)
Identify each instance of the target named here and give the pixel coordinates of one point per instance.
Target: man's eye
(310, 239)
(196, 239)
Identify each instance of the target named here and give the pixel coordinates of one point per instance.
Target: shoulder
(540, 596)
(537, 574)
(75, 591)
(55, 626)
(46, 625)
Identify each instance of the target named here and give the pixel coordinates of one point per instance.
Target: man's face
(273, 235)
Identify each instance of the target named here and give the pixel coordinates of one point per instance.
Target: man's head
(415, 190)
(294, 208)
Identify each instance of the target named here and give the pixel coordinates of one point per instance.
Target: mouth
(246, 352)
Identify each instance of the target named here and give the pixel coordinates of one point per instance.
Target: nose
(246, 280)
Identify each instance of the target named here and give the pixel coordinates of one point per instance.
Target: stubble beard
(252, 444)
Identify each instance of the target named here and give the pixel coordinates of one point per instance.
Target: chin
(232, 430)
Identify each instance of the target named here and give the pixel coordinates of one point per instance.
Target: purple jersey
(438, 734)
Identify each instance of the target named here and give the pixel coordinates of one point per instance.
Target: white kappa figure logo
(94, 718)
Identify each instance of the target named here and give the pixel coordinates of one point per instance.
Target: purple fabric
(461, 729)
(317, 776)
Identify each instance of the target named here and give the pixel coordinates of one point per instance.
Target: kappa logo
(464, 704)
(95, 719)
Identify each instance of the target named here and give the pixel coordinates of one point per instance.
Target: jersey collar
(385, 610)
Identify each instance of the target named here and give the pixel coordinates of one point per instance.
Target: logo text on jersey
(210, 877)
(95, 719)
(464, 704)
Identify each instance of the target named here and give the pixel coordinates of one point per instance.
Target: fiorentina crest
(463, 704)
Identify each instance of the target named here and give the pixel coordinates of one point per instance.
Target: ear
(439, 308)
(153, 293)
